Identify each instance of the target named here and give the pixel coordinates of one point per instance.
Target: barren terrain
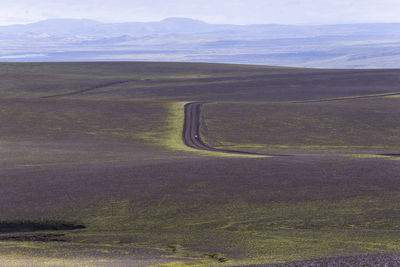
(94, 169)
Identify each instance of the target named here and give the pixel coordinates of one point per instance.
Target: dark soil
(103, 163)
(384, 260)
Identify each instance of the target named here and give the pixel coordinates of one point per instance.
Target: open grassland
(105, 152)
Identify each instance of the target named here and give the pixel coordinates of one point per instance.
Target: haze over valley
(187, 40)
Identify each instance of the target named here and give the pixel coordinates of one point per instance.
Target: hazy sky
(213, 11)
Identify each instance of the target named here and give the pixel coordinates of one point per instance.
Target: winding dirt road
(191, 132)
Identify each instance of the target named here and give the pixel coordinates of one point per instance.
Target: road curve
(191, 132)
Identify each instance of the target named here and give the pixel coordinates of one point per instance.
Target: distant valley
(187, 40)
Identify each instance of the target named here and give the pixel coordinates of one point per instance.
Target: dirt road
(191, 132)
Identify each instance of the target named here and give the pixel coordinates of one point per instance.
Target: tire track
(346, 98)
(89, 89)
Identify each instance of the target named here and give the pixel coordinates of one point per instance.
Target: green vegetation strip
(268, 232)
(171, 135)
(390, 95)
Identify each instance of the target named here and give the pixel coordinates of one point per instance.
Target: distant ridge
(372, 45)
(61, 27)
(186, 25)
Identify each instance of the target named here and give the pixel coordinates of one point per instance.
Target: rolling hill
(93, 168)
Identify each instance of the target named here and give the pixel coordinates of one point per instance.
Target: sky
(212, 11)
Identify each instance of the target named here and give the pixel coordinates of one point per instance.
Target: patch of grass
(371, 156)
(393, 96)
(175, 122)
(171, 137)
(367, 156)
(267, 232)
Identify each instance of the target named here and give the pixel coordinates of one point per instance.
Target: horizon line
(193, 19)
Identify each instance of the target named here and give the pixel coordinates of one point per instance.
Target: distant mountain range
(188, 40)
